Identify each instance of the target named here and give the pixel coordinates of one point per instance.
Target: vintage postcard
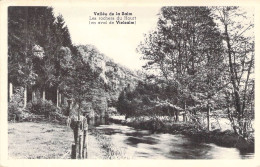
(131, 83)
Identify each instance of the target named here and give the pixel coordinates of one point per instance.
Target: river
(142, 144)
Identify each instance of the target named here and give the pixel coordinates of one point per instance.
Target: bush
(42, 107)
(15, 106)
(58, 116)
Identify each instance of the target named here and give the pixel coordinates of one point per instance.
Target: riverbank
(46, 140)
(110, 150)
(225, 138)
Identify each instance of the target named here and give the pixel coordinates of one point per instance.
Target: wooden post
(84, 151)
(85, 139)
(76, 132)
(208, 121)
(73, 151)
(80, 146)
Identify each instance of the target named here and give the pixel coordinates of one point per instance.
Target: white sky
(118, 42)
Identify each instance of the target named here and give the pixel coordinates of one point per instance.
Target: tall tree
(63, 40)
(34, 47)
(79, 79)
(186, 50)
(20, 53)
(239, 52)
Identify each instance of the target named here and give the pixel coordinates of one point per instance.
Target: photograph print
(131, 82)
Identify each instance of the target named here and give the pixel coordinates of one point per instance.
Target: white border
(151, 163)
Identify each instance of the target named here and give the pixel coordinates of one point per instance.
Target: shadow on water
(134, 141)
(145, 144)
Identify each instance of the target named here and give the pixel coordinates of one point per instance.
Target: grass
(110, 150)
(45, 140)
(29, 140)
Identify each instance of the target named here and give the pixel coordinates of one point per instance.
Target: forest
(44, 66)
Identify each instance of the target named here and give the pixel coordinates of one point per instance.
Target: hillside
(112, 80)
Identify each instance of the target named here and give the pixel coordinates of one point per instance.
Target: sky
(118, 42)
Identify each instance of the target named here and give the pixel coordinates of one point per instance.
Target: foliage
(79, 79)
(15, 106)
(41, 55)
(199, 57)
(126, 105)
(42, 107)
(146, 99)
(186, 51)
(239, 54)
(34, 31)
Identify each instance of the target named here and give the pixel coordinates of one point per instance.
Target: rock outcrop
(112, 80)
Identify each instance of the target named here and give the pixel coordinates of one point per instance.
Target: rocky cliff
(112, 80)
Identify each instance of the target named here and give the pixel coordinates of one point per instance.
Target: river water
(140, 144)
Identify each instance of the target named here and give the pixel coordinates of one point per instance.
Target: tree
(35, 40)
(186, 51)
(239, 52)
(79, 79)
(20, 53)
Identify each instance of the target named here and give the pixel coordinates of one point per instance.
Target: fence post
(80, 147)
(73, 151)
(76, 131)
(85, 134)
(84, 152)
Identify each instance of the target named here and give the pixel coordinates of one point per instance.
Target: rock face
(112, 80)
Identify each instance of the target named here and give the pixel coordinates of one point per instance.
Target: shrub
(42, 107)
(65, 110)
(58, 116)
(15, 106)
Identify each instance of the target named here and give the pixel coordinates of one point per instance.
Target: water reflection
(144, 144)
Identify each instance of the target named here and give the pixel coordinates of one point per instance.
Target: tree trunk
(60, 99)
(57, 97)
(208, 119)
(185, 113)
(25, 96)
(33, 95)
(79, 109)
(246, 84)
(232, 74)
(10, 91)
(43, 94)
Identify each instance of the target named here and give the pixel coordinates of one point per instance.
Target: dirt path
(29, 140)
